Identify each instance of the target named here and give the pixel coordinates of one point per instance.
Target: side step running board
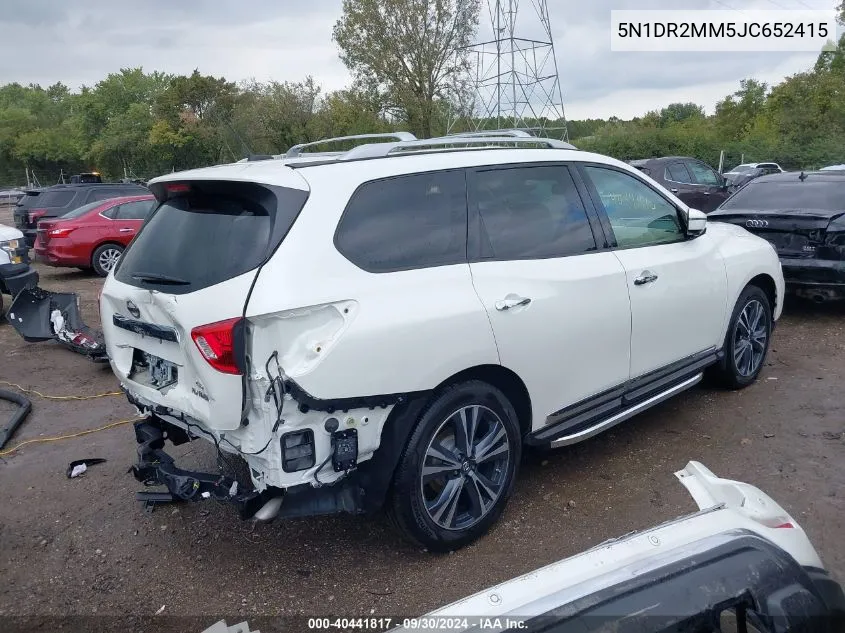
(612, 421)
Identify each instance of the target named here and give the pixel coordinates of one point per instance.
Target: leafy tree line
(404, 56)
(799, 123)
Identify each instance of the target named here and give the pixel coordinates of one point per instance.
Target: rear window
(80, 211)
(29, 200)
(406, 222)
(51, 199)
(774, 196)
(218, 231)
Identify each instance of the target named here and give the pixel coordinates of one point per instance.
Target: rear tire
(458, 469)
(746, 342)
(105, 258)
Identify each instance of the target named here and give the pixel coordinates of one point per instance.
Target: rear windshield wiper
(160, 279)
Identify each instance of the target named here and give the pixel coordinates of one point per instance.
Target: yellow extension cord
(41, 395)
(71, 435)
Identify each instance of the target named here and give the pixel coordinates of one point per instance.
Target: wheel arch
(377, 473)
(506, 381)
(766, 283)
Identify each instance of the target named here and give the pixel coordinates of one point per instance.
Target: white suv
(390, 325)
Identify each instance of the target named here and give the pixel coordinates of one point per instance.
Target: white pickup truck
(15, 272)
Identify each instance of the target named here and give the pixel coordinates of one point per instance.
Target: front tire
(105, 258)
(747, 340)
(458, 469)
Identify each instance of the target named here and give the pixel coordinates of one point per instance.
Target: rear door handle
(646, 277)
(503, 305)
(674, 190)
(126, 230)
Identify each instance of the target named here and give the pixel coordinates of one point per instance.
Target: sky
(80, 42)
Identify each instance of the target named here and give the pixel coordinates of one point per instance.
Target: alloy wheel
(751, 334)
(464, 470)
(108, 259)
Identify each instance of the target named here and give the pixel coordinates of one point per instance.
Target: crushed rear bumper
(157, 468)
(815, 277)
(41, 315)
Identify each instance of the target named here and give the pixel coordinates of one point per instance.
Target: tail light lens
(35, 214)
(216, 342)
(60, 232)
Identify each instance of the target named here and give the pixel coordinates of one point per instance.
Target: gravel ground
(86, 548)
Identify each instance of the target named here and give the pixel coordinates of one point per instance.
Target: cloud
(82, 41)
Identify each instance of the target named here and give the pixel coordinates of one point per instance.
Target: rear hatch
(172, 312)
(794, 233)
(21, 212)
(791, 212)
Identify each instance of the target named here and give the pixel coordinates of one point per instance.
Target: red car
(94, 235)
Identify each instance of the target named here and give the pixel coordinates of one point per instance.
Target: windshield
(85, 208)
(742, 168)
(774, 196)
(212, 235)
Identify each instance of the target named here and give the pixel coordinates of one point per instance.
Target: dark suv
(55, 201)
(697, 184)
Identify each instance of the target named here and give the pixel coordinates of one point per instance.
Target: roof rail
(381, 150)
(502, 132)
(296, 150)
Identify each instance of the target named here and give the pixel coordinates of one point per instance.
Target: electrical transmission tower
(514, 79)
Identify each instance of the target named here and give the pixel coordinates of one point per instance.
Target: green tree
(411, 52)
(736, 113)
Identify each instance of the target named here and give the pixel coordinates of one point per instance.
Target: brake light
(177, 187)
(35, 214)
(60, 232)
(216, 342)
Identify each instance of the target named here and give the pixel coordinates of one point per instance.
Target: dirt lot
(85, 547)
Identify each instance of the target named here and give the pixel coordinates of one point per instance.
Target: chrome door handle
(646, 277)
(674, 190)
(126, 230)
(507, 304)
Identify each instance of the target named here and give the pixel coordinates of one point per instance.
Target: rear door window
(53, 199)
(677, 172)
(406, 222)
(137, 210)
(217, 231)
(530, 213)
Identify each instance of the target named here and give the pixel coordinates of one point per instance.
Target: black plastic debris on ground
(81, 465)
(41, 315)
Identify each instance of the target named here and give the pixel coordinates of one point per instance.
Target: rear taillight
(216, 342)
(60, 232)
(35, 214)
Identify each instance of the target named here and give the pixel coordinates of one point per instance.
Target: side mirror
(696, 223)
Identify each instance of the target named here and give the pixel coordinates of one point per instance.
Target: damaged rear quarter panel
(406, 331)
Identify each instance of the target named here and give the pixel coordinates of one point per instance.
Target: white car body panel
(572, 340)
(680, 313)
(342, 332)
(725, 506)
(220, 409)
